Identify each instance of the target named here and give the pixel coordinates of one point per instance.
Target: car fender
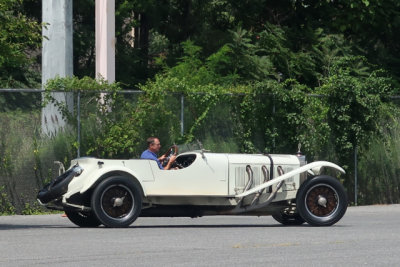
(310, 166)
(87, 180)
(103, 173)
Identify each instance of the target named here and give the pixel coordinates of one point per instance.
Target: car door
(207, 175)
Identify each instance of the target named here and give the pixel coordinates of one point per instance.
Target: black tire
(321, 201)
(56, 188)
(117, 201)
(288, 219)
(82, 219)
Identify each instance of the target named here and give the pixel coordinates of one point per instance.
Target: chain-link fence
(118, 128)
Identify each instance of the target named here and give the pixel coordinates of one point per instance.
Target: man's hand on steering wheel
(169, 157)
(172, 159)
(162, 158)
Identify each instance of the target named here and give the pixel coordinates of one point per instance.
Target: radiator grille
(241, 177)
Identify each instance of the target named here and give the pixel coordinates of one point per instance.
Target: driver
(154, 145)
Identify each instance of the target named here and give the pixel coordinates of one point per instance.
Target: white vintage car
(114, 193)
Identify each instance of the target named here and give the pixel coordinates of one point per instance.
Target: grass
(26, 160)
(379, 170)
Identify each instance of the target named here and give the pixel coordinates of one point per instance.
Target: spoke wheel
(286, 218)
(117, 201)
(82, 219)
(321, 201)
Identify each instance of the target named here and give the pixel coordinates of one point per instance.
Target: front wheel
(321, 201)
(117, 201)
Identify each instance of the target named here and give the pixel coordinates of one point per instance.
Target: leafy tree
(19, 36)
(19, 39)
(356, 100)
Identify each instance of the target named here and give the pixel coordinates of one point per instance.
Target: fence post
(182, 112)
(273, 121)
(78, 109)
(355, 175)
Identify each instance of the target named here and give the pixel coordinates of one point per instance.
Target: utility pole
(105, 40)
(57, 58)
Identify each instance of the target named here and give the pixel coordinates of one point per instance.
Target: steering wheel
(172, 151)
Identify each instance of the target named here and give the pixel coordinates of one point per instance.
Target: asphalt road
(368, 235)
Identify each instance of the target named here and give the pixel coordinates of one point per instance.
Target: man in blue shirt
(154, 146)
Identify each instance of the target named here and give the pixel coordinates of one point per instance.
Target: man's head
(153, 144)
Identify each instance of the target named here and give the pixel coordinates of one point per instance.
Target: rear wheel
(82, 219)
(288, 218)
(321, 201)
(117, 201)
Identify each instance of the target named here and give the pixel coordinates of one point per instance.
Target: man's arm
(170, 162)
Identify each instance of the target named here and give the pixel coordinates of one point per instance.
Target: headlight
(77, 170)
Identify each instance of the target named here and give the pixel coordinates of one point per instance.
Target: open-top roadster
(114, 193)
